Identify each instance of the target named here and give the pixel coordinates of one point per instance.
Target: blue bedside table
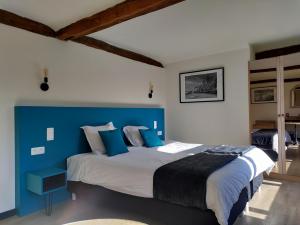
(45, 182)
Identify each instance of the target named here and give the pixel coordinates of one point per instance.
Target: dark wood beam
(277, 52)
(94, 43)
(14, 20)
(295, 67)
(263, 70)
(287, 80)
(119, 13)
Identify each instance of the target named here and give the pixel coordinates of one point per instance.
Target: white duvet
(132, 172)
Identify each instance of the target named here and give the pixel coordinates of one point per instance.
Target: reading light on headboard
(44, 86)
(150, 95)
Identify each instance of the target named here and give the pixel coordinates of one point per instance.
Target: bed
(227, 189)
(134, 169)
(265, 136)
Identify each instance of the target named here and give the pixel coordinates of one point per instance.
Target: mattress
(132, 173)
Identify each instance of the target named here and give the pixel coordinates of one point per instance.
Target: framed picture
(202, 86)
(263, 95)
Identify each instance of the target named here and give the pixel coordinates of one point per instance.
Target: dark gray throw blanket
(183, 182)
(225, 149)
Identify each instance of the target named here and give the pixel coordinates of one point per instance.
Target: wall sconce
(44, 86)
(150, 95)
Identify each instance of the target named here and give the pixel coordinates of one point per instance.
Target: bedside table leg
(48, 204)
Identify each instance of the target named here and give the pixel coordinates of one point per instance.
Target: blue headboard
(31, 124)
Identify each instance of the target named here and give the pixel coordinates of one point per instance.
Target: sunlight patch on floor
(272, 182)
(257, 216)
(105, 222)
(258, 213)
(296, 147)
(261, 209)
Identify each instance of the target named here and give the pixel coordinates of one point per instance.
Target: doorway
(274, 87)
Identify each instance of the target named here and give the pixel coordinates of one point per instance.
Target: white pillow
(93, 136)
(133, 135)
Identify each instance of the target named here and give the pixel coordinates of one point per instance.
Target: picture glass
(202, 86)
(197, 87)
(263, 95)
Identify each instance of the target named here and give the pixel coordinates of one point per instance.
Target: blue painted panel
(30, 131)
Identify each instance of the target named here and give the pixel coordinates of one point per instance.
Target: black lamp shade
(44, 86)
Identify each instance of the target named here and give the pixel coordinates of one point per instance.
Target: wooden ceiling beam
(14, 20)
(119, 13)
(286, 80)
(277, 52)
(94, 43)
(286, 68)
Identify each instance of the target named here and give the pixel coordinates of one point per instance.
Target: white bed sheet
(132, 172)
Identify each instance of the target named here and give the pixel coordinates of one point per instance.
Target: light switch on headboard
(50, 134)
(154, 124)
(38, 150)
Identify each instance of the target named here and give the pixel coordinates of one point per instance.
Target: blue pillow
(150, 138)
(113, 142)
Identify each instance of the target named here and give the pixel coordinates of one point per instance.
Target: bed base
(245, 211)
(147, 209)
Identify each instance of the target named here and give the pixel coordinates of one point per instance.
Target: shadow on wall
(22, 102)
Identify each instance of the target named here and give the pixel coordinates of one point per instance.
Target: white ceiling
(272, 75)
(187, 30)
(56, 13)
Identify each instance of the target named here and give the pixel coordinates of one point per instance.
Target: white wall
(213, 122)
(78, 75)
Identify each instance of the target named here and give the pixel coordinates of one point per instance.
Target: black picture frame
(252, 90)
(220, 95)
